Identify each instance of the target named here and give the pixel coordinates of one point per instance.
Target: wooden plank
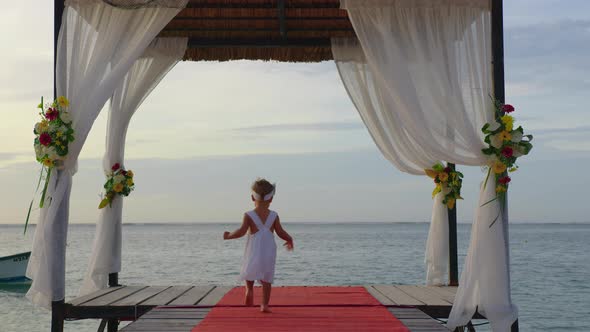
(397, 295)
(166, 296)
(192, 296)
(94, 295)
(379, 296)
(163, 326)
(416, 321)
(449, 290)
(440, 292)
(114, 296)
(140, 296)
(215, 295)
(408, 313)
(422, 294)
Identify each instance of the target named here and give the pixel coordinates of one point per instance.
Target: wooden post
(113, 324)
(500, 95)
(453, 258)
(57, 307)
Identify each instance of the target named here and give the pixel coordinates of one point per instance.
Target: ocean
(550, 264)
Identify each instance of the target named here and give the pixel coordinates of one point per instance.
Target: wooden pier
(416, 306)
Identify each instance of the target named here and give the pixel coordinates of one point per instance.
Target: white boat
(13, 268)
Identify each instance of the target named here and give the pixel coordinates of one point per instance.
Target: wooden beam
(263, 43)
(268, 5)
(281, 13)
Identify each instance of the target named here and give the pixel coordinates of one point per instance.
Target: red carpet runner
(304, 309)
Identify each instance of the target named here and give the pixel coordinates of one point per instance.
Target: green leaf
(103, 203)
(45, 187)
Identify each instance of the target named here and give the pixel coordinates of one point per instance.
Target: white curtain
(431, 66)
(147, 72)
(98, 43)
(395, 142)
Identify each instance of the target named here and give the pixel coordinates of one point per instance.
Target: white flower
(496, 141)
(65, 117)
(52, 154)
(120, 178)
(494, 126)
(516, 136)
(518, 151)
(38, 151)
(38, 127)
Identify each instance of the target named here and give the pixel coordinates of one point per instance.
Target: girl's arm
(238, 233)
(283, 234)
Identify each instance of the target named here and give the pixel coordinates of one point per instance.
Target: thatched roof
(282, 30)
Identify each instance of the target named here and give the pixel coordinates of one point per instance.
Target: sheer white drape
(97, 45)
(395, 142)
(147, 72)
(431, 63)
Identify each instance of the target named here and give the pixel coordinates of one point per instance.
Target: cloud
(319, 126)
(563, 130)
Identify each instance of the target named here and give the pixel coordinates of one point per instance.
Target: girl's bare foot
(249, 300)
(265, 309)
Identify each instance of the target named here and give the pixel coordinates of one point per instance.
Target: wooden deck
(413, 304)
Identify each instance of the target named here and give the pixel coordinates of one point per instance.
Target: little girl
(261, 249)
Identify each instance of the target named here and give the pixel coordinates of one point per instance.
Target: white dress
(261, 251)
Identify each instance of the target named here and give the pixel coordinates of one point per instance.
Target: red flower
(124, 172)
(447, 169)
(45, 139)
(51, 114)
(116, 167)
(507, 108)
(504, 180)
(507, 152)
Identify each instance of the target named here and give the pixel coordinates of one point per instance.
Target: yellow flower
(130, 182)
(58, 134)
(43, 125)
(47, 162)
(498, 167)
(443, 176)
(500, 189)
(130, 174)
(505, 135)
(63, 101)
(118, 187)
(508, 121)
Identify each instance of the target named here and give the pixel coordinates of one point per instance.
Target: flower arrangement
(119, 182)
(53, 134)
(505, 145)
(448, 181)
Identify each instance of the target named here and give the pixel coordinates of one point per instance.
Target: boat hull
(13, 268)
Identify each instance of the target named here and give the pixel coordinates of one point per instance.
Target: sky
(209, 129)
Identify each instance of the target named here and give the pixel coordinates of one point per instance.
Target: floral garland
(53, 134)
(119, 182)
(506, 145)
(448, 181)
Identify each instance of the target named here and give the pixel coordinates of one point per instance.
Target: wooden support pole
(500, 95)
(57, 307)
(453, 257)
(113, 324)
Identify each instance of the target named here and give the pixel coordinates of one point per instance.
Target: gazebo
(420, 73)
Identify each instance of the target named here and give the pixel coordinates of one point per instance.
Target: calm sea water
(550, 265)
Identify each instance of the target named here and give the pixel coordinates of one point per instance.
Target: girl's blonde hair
(262, 187)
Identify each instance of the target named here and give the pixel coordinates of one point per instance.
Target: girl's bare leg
(249, 300)
(266, 288)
